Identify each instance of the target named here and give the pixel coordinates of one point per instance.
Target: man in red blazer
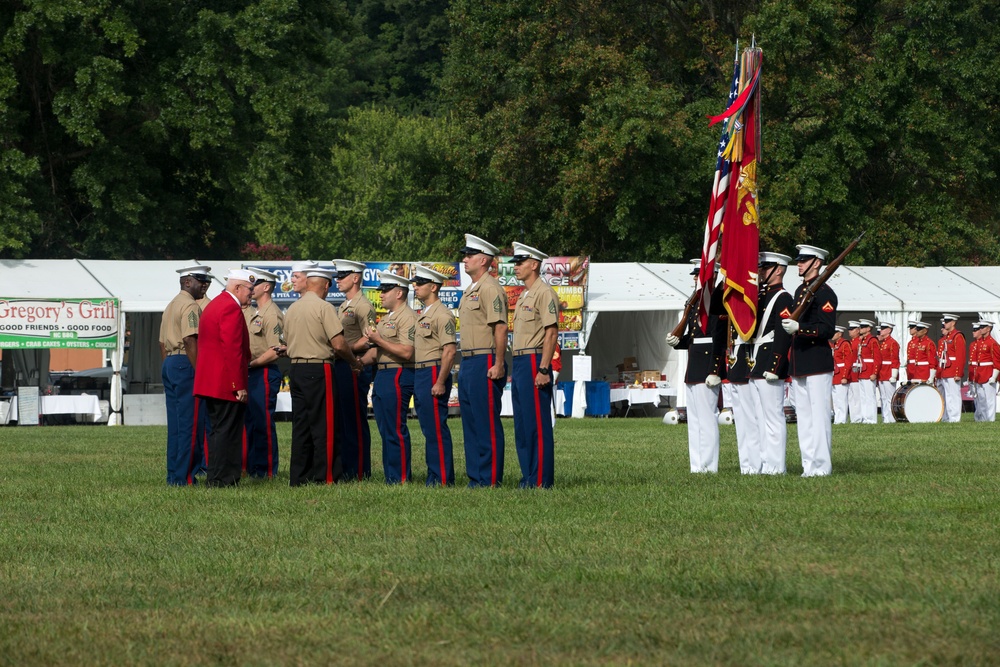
(220, 375)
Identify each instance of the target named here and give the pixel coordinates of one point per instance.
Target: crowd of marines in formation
(833, 378)
(337, 354)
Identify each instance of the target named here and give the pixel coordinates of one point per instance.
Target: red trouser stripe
(357, 417)
(538, 417)
(399, 424)
(267, 426)
(493, 417)
(329, 423)
(437, 424)
(194, 444)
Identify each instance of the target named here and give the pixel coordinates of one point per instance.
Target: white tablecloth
(83, 404)
(638, 395)
(507, 403)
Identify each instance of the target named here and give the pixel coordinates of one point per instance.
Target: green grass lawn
(629, 560)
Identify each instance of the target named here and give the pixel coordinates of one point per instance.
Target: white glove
(933, 375)
(672, 340)
(790, 326)
(712, 380)
(894, 376)
(993, 379)
(771, 377)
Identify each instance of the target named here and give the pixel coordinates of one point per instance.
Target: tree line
(147, 129)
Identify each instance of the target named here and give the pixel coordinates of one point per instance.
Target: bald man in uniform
(179, 351)
(482, 373)
(357, 315)
(392, 355)
(434, 355)
(265, 323)
(315, 338)
(536, 332)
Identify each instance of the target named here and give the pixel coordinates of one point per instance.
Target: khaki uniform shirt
(537, 308)
(356, 316)
(266, 327)
(180, 320)
(310, 323)
(483, 304)
(398, 326)
(435, 329)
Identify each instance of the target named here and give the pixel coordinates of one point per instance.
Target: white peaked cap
(304, 265)
(195, 270)
(808, 251)
(348, 265)
(522, 251)
(242, 274)
(474, 244)
(386, 278)
(266, 276)
(426, 273)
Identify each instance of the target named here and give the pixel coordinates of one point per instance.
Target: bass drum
(917, 403)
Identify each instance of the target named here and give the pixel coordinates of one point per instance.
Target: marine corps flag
(740, 224)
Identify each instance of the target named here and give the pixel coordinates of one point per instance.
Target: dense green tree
(159, 128)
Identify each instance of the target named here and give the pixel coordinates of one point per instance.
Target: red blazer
(890, 358)
(223, 350)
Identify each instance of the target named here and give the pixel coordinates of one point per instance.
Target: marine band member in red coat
(951, 367)
(889, 370)
(842, 360)
(220, 376)
(984, 367)
(870, 360)
(921, 356)
(853, 372)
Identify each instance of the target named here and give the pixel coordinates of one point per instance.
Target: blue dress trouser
(260, 447)
(479, 399)
(187, 422)
(532, 422)
(393, 388)
(352, 406)
(432, 412)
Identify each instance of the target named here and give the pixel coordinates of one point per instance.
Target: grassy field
(629, 560)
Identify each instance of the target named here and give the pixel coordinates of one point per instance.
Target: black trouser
(315, 455)
(225, 441)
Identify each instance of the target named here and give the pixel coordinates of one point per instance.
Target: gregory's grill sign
(42, 323)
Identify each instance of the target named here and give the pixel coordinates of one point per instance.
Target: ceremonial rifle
(810, 293)
(679, 329)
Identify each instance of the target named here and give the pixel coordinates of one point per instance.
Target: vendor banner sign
(567, 275)
(58, 323)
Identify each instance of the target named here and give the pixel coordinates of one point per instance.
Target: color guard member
(769, 361)
(315, 337)
(357, 316)
(179, 351)
(702, 380)
(482, 375)
(889, 370)
(984, 367)
(870, 360)
(951, 367)
(842, 361)
(434, 350)
(811, 364)
(536, 332)
(265, 322)
(921, 356)
(745, 417)
(392, 355)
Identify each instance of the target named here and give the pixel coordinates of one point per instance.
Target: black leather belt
(392, 365)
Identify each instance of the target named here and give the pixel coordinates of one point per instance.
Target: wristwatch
(544, 370)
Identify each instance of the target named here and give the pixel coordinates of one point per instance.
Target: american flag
(716, 207)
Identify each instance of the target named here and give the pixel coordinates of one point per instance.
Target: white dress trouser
(703, 427)
(886, 389)
(840, 392)
(866, 397)
(986, 402)
(769, 401)
(951, 389)
(812, 400)
(747, 429)
(854, 402)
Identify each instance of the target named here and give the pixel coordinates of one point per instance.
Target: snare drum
(917, 403)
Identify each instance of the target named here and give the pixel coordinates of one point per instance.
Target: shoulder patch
(785, 313)
(827, 307)
(497, 304)
(449, 328)
(411, 334)
(193, 320)
(552, 307)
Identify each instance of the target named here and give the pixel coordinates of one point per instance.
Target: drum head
(923, 404)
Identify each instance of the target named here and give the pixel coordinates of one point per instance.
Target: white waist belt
(868, 361)
(766, 338)
(699, 341)
(886, 363)
(922, 363)
(985, 363)
(841, 365)
(951, 358)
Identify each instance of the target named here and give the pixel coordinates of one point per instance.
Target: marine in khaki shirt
(179, 326)
(357, 315)
(397, 328)
(310, 324)
(266, 326)
(435, 329)
(537, 308)
(483, 304)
